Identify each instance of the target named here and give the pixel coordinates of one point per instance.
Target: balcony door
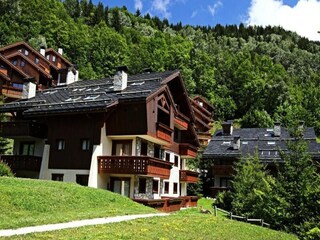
(120, 186)
(122, 147)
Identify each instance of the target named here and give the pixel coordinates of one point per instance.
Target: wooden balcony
(187, 150)
(188, 176)
(223, 170)
(11, 92)
(164, 132)
(141, 165)
(22, 129)
(19, 162)
(180, 124)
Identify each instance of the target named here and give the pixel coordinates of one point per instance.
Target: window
(53, 58)
(225, 182)
(22, 63)
(166, 187)
(48, 57)
(27, 148)
(176, 160)
(85, 144)
(122, 147)
(15, 62)
(175, 188)
(142, 185)
(177, 135)
(155, 186)
(37, 60)
(26, 52)
(168, 157)
(17, 85)
(144, 148)
(82, 179)
(61, 144)
(157, 151)
(57, 177)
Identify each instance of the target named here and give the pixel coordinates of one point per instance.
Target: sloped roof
(60, 56)
(89, 95)
(257, 140)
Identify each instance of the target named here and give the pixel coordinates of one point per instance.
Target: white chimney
(29, 90)
(120, 79)
(277, 129)
(43, 51)
(60, 51)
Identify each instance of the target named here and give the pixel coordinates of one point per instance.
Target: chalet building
(46, 69)
(129, 134)
(229, 145)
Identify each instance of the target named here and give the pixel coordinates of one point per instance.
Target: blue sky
(302, 16)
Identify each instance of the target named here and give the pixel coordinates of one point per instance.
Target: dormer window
(48, 57)
(37, 60)
(15, 62)
(53, 58)
(22, 63)
(26, 52)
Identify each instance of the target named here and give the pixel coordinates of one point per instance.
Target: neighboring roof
(257, 139)
(22, 43)
(14, 67)
(89, 95)
(60, 56)
(30, 62)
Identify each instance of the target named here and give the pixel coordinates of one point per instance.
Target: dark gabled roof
(257, 140)
(14, 67)
(88, 96)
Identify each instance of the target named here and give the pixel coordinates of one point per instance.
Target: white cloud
(194, 14)
(161, 6)
(302, 18)
(214, 7)
(138, 4)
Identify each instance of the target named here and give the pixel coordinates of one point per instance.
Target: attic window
(26, 52)
(37, 60)
(271, 143)
(48, 56)
(137, 83)
(94, 97)
(53, 58)
(72, 99)
(22, 63)
(14, 62)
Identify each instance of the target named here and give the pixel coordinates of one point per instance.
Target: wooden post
(262, 222)
(230, 215)
(215, 210)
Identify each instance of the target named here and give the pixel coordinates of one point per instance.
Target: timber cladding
(68, 137)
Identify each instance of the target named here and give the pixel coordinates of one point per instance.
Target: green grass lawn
(25, 202)
(186, 224)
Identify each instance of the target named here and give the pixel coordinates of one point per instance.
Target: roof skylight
(137, 83)
(92, 97)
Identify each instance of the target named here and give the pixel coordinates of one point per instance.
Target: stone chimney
(43, 51)
(29, 90)
(227, 128)
(277, 129)
(60, 51)
(236, 143)
(120, 79)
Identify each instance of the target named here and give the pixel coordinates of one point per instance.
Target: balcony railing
(188, 176)
(223, 170)
(187, 150)
(22, 129)
(164, 132)
(141, 165)
(11, 92)
(19, 162)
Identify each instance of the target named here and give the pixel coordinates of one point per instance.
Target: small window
(175, 188)
(142, 185)
(166, 187)
(57, 177)
(85, 144)
(22, 63)
(15, 62)
(37, 60)
(20, 50)
(26, 52)
(48, 57)
(225, 182)
(168, 157)
(155, 186)
(53, 58)
(176, 160)
(157, 151)
(61, 144)
(27, 148)
(144, 148)
(82, 179)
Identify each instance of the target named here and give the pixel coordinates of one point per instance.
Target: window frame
(62, 146)
(85, 144)
(142, 185)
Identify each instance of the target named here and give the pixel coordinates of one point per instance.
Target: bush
(224, 200)
(5, 170)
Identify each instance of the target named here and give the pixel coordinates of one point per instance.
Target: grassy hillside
(25, 202)
(187, 224)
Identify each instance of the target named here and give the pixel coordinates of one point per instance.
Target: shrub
(5, 170)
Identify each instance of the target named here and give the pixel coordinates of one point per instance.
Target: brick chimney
(227, 128)
(120, 79)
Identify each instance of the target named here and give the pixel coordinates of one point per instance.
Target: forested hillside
(254, 74)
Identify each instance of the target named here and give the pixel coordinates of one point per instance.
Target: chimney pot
(29, 90)
(43, 51)
(277, 129)
(120, 79)
(227, 127)
(60, 51)
(236, 143)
